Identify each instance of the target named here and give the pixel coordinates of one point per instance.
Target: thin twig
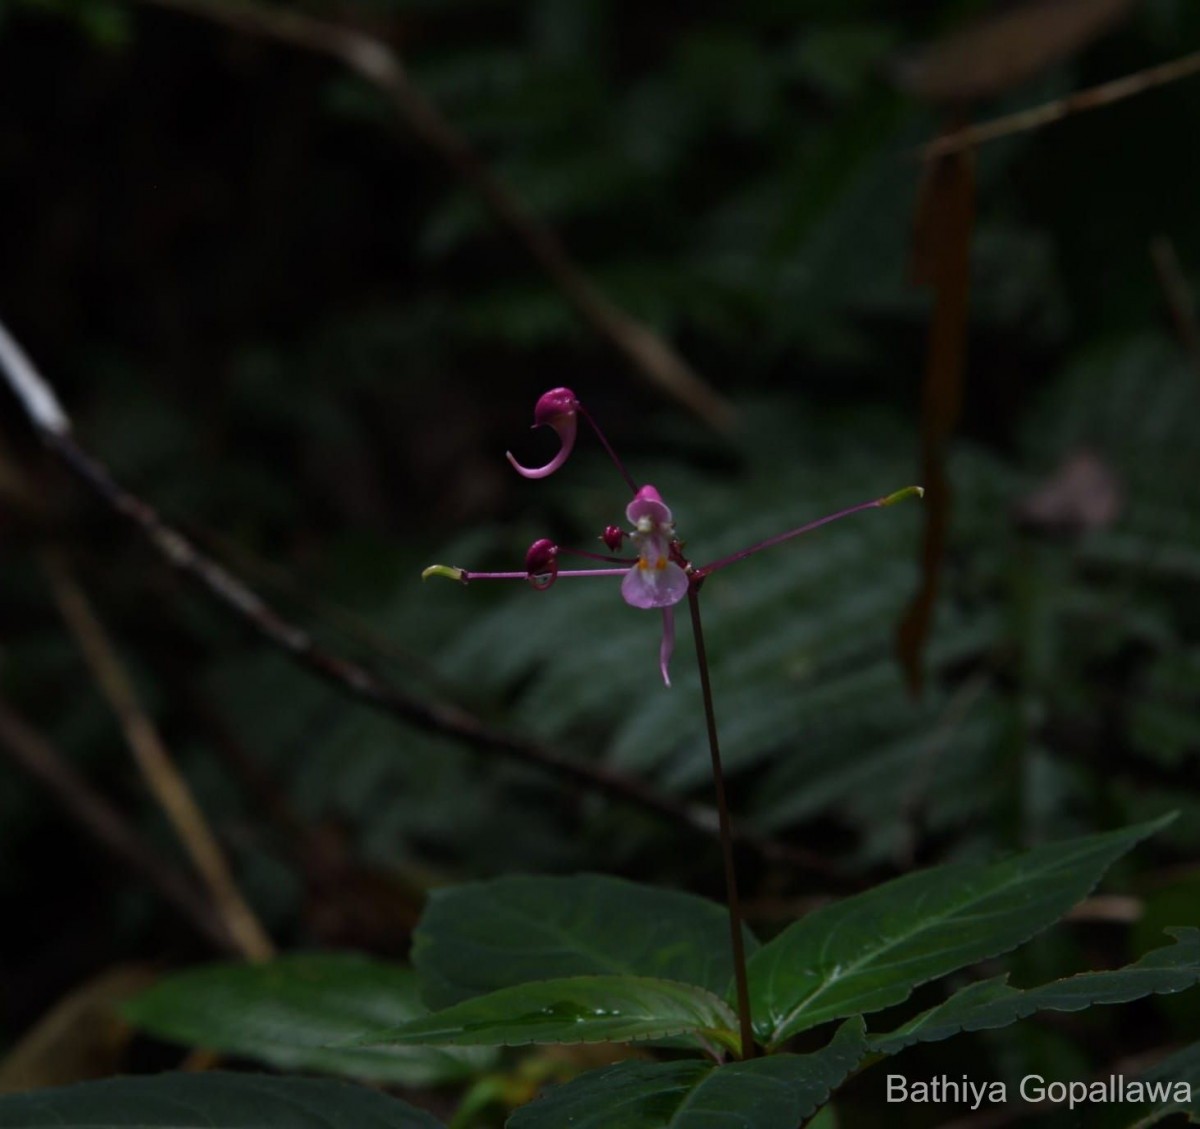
(1037, 116)
(378, 64)
(39, 758)
(1181, 302)
(166, 783)
(351, 678)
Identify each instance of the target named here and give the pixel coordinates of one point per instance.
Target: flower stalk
(733, 901)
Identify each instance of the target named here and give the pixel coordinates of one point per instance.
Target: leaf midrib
(927, 923)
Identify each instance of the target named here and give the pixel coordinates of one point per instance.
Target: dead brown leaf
(82, 1036)
(1000, 52)
(941, 260)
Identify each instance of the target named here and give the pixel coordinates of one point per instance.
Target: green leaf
(868, 952)
(1180, 1074)
(481, 936)
(777, 1092)
(825, 1118)
(214, 1100)
(287, 1013)
(992, 1003)
(580, 1009)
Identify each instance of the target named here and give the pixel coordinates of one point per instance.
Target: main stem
(749, 1050)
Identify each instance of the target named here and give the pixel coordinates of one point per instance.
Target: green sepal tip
(448, 571)
(903, 495)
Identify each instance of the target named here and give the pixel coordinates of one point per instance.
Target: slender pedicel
(599, 556)
(629, 479)
(874, 504)
(465, 577)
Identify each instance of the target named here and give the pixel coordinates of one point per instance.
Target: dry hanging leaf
(941, 260)
(1001, 52)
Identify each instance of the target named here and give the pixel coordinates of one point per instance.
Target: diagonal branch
(351, 678)
(1090, 99)
(376, 62)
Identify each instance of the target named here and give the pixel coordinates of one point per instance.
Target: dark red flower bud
(541, 563)
(613, 536)
(552, 406)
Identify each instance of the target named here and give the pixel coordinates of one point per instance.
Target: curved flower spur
(660, 576)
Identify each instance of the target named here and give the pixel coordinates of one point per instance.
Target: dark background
(291, 327)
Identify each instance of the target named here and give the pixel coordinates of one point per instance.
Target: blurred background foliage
(283, 322)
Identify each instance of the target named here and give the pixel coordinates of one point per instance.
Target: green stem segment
(749, 1049)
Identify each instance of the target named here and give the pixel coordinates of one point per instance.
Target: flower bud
(902, 495)
(613, 536)
(552, 406)
(541, 563)
(448, 571)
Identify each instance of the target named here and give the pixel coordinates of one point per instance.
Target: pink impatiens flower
(655, 581)
(660, 576)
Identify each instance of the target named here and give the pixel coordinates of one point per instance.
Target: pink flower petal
(647, 502)
(646, 586)
(566, 428)
(667, 646)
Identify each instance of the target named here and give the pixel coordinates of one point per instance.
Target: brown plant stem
(33, 753)
(352, 628)
(941, 260)
(376, 62)
(1177, 292)
(167, 785)
(745, 1020)
(1037, 116)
